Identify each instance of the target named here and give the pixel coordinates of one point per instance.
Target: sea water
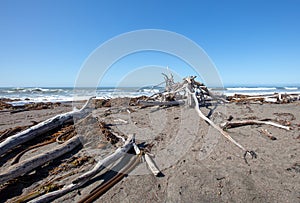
(65, 94)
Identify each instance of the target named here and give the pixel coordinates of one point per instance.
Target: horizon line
(133, 86)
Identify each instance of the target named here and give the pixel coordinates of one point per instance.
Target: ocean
(64, 94)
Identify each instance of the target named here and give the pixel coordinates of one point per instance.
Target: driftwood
(18, 156)
(233, 124)
(151, 165)
(56, 138)
(225, 134)
(277, 98)
(196, 95)
(195, 92)
(106, 186)
(160, 103)
(149, 161)
(121, 174)
(43, 127)
(189, 91)
(268, 134)
(78, 182)
(39, 160)
(11, 131)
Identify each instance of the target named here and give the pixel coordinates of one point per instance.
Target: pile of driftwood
(197, 95)
(277, 98)
(6, 104)
(18, 169)
(188, 92)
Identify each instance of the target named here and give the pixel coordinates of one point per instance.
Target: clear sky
(45, 42)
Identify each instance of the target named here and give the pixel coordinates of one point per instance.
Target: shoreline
(67, 94)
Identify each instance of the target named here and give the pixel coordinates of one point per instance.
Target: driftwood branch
(268, 134)
(158, 103)
(43, 127)
(225, 134)
(201, 115)
(273, 98)
(108, 160)
(151, 164)
(149, 161)
(78, 182)
(106, 186)
(233, 124)
(39, 160)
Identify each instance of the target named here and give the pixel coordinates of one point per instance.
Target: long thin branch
(233, 124)
(201, 115)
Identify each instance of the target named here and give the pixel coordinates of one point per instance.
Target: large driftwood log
(78, 182)
(233, 124)
(39, 160)
(43, 127)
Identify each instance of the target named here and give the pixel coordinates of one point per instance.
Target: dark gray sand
(198, 163)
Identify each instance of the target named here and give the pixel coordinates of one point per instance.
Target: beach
(197, 163)
(149, 101)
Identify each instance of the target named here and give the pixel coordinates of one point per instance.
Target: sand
(198, 164)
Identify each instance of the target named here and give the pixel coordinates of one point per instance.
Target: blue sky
(44, 43)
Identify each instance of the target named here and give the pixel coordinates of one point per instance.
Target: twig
(268, 134)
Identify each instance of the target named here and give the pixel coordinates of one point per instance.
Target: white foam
(250, 88)
(291, 88)
(260, 93)
(151, 90)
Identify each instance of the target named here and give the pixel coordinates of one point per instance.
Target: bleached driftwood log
(39, 160)
(78, 182)
(43, 127)
(233, 124)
